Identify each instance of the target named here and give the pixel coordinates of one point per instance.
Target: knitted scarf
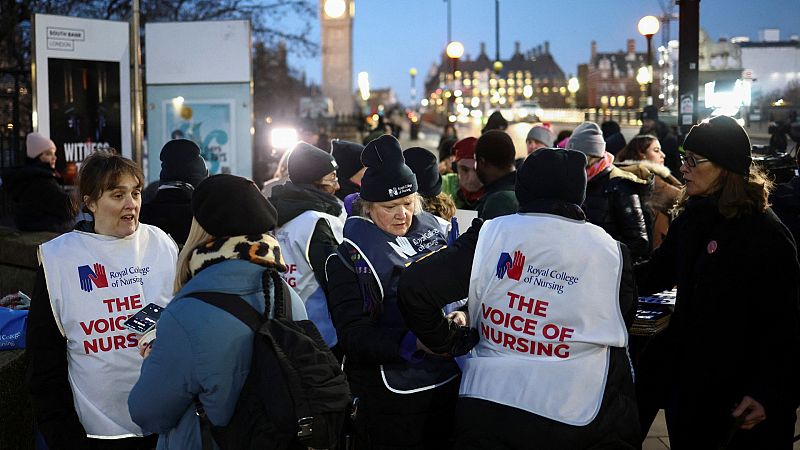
(596, 168)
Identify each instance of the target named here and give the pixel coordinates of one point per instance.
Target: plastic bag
(13, 324)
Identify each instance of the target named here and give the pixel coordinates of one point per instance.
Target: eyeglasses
(692, 161)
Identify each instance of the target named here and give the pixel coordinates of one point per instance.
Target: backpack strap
(239, 308)
(233, 305)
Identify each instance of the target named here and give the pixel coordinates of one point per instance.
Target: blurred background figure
(41, 204)
(643, 157)
(612, 134)
(665, 135)
(538, 137)
(612, 194)
(429, 181)
(496, 121)
(463, 186)
(279, 177)
(350, 170)
(182, 169)
(494, 165)
(446, 155)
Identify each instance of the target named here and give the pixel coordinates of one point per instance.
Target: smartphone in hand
(144, 320)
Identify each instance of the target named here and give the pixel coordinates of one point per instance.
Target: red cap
(465, 148)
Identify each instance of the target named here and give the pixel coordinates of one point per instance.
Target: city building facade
(476, 86)
(611, 78)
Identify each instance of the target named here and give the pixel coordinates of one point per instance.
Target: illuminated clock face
(334, 8)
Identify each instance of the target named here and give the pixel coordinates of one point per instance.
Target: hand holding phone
(144, 320)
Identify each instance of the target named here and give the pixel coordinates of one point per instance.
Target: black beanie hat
(723, 141)
(649, 112)
(496, 147)
(229, 205)
(496, 121)
(552, 173)
(387, 176)
(181, 161)
(348, 158)
(423, 163)
(308, 164)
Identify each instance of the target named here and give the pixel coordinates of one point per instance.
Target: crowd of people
(511, 331)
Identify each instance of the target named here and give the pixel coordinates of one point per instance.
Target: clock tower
(336, 17)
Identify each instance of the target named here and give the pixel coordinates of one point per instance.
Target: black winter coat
(613, 203)
(498, 198)
(41, 203)
(736, 326)
(429, 284)
(170, 210)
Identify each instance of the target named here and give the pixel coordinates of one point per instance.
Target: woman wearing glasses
(310, 222)
(734, 333)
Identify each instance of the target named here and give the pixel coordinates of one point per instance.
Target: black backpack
(295, 396)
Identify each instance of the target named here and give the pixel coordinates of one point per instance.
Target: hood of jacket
(291, 200)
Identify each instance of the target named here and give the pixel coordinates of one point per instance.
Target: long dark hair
(634, 150)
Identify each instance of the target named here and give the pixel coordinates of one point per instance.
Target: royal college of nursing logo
(512, 268)
(88, 277)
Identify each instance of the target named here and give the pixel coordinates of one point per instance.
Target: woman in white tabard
(309, 229)
(82, 361)
(550, 298)
(406, 394)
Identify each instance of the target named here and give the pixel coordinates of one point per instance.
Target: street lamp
(572, 86)
(454, 51)
(413, 73)
(642, 77)
(648, 26)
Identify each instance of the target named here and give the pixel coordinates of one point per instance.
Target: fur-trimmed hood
(644, 169)
(666, 188)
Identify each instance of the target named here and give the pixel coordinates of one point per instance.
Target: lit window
(546, 90)
(604, 100)
(613, 101)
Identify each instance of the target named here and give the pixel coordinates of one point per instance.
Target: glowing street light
(363, 85)
(648, 26)
(455, 50)
(573, 85)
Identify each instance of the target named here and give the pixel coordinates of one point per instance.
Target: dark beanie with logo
(424, 165)
(723, 141)
(181, 161)
(229, 205)
(387, 176)
(308, 164)
(348, 158)
(552, 174)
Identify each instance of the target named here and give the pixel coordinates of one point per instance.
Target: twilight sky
(391, 36)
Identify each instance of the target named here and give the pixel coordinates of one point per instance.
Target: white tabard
(295, 238)
(95, 283)
(544, 296)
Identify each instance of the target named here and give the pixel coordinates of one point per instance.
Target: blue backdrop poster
(209, 123)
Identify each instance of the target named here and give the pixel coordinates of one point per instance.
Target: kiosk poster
(84, 110)
(209, 123)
